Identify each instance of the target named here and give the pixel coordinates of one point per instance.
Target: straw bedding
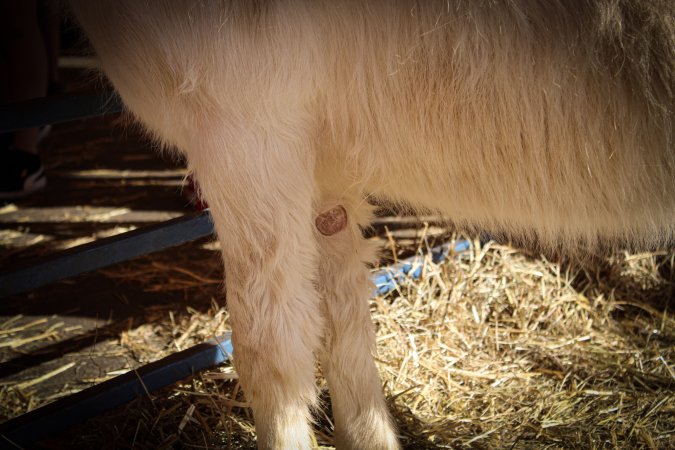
(490, 349)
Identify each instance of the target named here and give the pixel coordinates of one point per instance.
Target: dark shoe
(21, 173)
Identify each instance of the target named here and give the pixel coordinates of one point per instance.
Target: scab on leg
(332, 221)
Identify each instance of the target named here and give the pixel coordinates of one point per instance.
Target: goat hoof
(332, 221)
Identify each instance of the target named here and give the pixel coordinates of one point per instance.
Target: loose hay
(489, 349)
(497, 350)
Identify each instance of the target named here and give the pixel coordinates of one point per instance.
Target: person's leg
(49, 21)
(25, 61)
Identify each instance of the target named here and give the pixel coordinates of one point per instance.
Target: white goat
(549, 119)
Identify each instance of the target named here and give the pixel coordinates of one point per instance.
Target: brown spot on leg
(332, 221)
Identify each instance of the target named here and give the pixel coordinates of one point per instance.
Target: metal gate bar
(107, 251)
(35, 425)
(29, 428)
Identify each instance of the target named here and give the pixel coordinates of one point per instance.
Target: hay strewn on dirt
(490, 349)
(497, 350)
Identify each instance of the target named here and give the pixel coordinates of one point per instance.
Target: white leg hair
(263, 218)
(361, 417)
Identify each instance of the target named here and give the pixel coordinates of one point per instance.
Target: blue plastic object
(387, 278)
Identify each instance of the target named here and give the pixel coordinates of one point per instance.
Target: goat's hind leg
(259, 188)
(361, 417)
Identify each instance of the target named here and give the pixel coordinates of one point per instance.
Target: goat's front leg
(259, 187)
(361, 417)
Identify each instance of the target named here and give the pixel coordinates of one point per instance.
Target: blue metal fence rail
(102, 253)
(105, 252)
(29, 428)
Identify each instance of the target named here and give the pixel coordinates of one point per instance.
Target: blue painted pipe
(29, 428)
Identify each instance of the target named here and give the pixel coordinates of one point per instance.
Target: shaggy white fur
(549, 119)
